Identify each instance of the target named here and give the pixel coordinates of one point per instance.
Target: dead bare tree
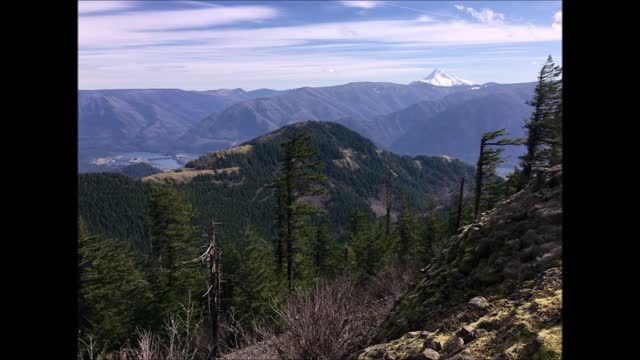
(460, 204)
(388, 198)
(214, 253)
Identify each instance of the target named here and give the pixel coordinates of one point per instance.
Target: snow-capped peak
(440, 78)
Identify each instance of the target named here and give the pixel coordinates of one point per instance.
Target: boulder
(430, 354)
(453, 344)
(433, 344)
(466, 333)
(479, 302)
(408, 348)
(375, 353)
(478, 333)
(418, 334)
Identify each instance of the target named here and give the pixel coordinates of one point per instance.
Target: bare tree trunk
(388, 216)
(478, 180)
(460, 204)
(289, 204)
(214, 291)
(346, 259)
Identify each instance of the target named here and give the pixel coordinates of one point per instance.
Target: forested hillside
(355, 167)
(114, 205)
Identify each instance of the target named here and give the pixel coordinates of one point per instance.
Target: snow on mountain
(440, 78)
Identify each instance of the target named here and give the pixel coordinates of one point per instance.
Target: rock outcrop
(496, 292)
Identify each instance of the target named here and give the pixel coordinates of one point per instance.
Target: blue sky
(202, 45)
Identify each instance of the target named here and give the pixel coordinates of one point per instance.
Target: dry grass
(334, 320)
(186, 175)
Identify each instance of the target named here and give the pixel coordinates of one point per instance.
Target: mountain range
(233, 185)
(441, 114)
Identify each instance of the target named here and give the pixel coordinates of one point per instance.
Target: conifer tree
(112, 291)
(299, 177)
(172, 247)
(408, 232)
(388, 186)
(489, 158)
(280, 217)
(544, 127)
(303, 258)
(370, 248)
(325, 252)
(256, 282)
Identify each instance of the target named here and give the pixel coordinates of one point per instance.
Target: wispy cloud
(361, 4)
(88, 7)
(130, 29)
(557, 20)
(486, 16)
(206, 47)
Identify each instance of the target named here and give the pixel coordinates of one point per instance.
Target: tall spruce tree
(544, 127)
(325, 252)
(299, 177)
(256, 280)
(173, 244)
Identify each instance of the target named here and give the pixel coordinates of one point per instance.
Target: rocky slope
(496, 293)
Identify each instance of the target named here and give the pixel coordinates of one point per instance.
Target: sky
(206, 45)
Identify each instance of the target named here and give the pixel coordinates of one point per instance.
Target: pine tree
(369, 248)
(299, 177)
(409, 230)
(256, 284)
(172, 247)
(388, 187)
(325, 252)
(112, 291)
(489, 158)
(544, 127)
(280, 217)
(513, 183)
(303, 258)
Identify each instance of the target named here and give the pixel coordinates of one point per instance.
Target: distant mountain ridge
(360, 101)
(148, 119)
(419, 118)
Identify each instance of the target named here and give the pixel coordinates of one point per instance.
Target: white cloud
(425, 18)
(138, 49)
(361, 4)
(557, 20)
(148, 27)
(486, 16)
(87, 7)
